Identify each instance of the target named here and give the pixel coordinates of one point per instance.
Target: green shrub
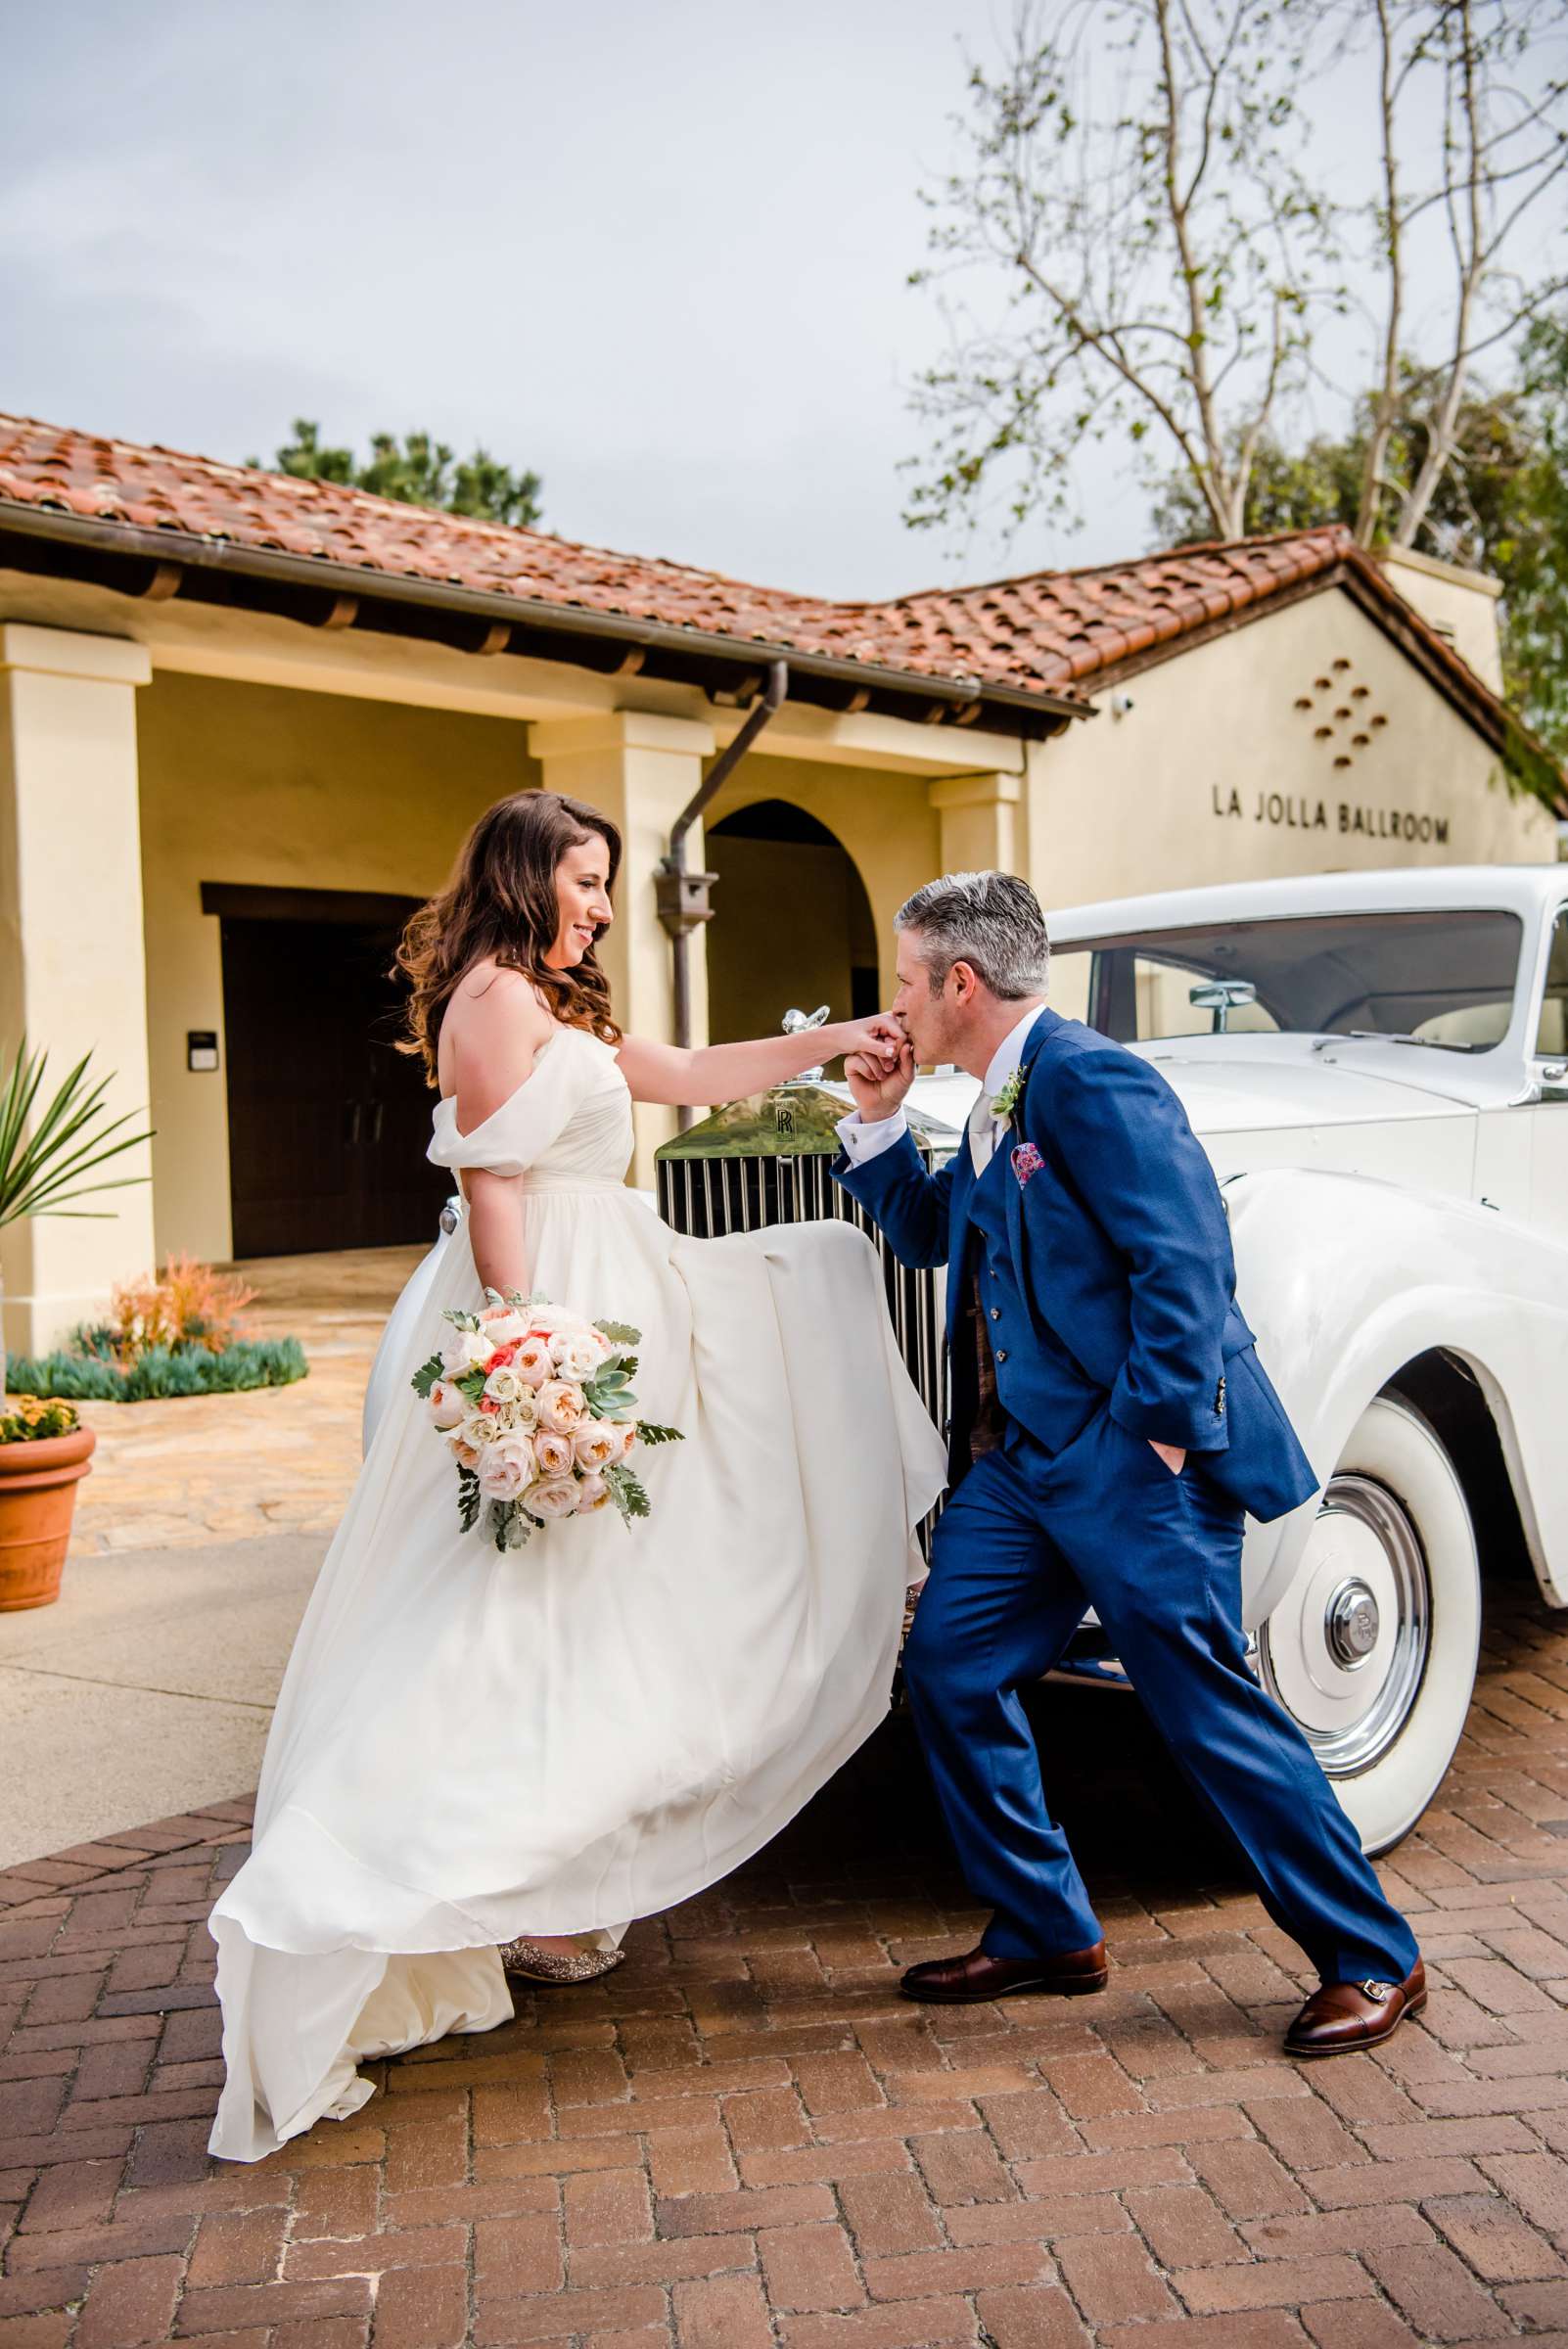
(164, 1370)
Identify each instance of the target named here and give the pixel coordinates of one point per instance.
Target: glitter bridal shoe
(533, 1964)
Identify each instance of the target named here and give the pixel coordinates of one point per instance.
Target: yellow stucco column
(642, 768)
(980, 826)
(71, 968)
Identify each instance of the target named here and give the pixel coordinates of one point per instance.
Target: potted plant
(44, 1454)
(45, 1161)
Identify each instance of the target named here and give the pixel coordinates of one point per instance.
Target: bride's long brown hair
(501, 901)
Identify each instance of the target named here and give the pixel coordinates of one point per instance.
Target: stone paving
(221, 1467)
(743, 2137)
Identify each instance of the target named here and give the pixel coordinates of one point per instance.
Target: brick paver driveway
(746, 2138)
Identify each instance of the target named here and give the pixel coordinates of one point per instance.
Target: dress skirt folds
(469, 1746)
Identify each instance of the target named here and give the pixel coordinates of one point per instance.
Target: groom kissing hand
(1110, 1427)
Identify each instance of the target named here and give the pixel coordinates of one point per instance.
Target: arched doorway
(791, 923)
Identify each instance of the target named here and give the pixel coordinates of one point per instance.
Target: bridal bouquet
(536, 1405)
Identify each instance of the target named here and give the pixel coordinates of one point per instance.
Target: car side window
(1551, 1035)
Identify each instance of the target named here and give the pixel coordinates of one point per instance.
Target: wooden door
(328, 1125)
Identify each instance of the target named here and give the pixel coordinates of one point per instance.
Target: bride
(486, 1764)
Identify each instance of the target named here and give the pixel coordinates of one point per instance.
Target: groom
(1110, 1426)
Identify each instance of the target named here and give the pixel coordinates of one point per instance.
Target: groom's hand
(878, 1088)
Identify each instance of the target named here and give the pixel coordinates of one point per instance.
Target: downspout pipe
(683, 898)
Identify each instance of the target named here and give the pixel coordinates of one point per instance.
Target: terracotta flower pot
(37, 1494)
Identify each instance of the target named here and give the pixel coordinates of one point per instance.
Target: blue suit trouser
(1028, 1540)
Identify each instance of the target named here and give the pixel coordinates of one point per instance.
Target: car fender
(1345, 1279)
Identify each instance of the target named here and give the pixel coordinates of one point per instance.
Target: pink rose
(553, 1452)
(592, 1494)
(532, 1360)
(629, 1435)
(560, 1405)
(557, 1496)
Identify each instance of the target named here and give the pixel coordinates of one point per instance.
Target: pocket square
(1027, 1160)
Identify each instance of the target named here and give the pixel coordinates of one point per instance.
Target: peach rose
(507, 1468)
(597, 1444)
(532, 1360)
(557, 1496)
(592, 1494)
(447, 1408)
(560, 1405)
(553, 1452)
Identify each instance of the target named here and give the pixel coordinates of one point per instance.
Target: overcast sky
(655, 249)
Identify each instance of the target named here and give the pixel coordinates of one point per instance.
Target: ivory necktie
(982, 1131)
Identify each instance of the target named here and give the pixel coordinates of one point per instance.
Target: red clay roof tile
(1043, 632)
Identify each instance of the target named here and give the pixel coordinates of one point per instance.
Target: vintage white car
(1377, 1066)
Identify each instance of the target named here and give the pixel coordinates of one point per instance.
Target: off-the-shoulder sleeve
(512, 1137)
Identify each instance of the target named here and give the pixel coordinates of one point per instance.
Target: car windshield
(1445, 979)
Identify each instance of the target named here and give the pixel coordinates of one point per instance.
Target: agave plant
(46, 1160)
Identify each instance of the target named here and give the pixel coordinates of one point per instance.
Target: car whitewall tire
(1372, 1648)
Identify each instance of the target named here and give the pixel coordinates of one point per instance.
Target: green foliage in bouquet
(607, 1395)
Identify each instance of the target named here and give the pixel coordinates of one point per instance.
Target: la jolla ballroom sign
(1294, 811)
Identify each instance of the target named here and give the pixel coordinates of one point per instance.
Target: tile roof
(1047, 633)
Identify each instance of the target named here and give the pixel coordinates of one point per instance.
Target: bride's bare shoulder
(494, 1026)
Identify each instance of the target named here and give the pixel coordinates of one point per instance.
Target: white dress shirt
(863, 1141)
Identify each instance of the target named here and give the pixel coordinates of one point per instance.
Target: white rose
(592, 1494)
(480, 1429)
(524, 1412)
(467, 1350)
(557, 1496)
(532, 1360)
(504, 1385)
(579, 1358)
(550, 1318)
(507, 1468)
(447, 1408)
(503, 1323)
(553, 1452)
(560, 1405)
(597, 1444)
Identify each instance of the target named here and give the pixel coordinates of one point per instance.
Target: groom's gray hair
(991, 921)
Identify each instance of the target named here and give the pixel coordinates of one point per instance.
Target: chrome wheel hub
(1351, 1623)
(1346, 1649)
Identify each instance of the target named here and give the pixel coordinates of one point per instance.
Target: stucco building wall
(268, 788)
(1226, 769)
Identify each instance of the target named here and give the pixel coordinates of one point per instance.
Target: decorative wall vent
(1339, 706)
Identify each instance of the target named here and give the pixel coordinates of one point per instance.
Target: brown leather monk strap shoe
(965, 1981)
(1343, 2017)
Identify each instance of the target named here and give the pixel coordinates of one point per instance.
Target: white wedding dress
(469, 1746)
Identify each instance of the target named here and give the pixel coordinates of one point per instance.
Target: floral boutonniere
(1006, 1101)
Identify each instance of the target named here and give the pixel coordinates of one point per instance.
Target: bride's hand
(880, 1039)
(879, 1087)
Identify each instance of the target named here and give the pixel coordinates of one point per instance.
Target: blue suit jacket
(1122, 1251)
